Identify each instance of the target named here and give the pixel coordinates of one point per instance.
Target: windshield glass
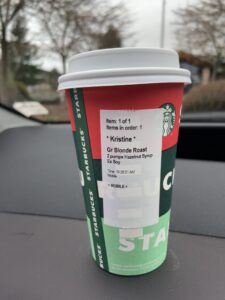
(37, 38)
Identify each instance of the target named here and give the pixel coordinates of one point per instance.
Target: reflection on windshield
(37, 37)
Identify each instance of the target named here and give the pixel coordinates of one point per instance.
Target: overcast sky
(146, 22)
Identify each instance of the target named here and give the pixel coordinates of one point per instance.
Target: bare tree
(110, 39)
(73, 26)
(201, 30)
(9, 9)
(21, 51)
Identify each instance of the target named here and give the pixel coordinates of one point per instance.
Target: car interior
(59, 57)
(43, 218)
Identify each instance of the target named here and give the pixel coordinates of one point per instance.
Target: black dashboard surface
(39, 175)
(49, 258)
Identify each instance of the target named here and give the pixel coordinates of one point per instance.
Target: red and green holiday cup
(124, 106)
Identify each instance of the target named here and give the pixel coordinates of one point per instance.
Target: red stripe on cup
(145, 96)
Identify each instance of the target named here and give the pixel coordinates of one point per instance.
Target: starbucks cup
(124, 106)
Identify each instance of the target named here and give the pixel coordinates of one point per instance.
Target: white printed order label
(131, 148)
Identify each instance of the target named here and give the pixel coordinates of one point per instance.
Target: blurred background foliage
(67, 27)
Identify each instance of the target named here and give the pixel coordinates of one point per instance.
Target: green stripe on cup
(167, 179)
(86, 166)
(137, 251)
(91, 238)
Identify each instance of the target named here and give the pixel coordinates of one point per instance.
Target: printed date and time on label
(131, 148)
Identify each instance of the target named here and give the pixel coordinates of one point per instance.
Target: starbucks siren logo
(169, 116)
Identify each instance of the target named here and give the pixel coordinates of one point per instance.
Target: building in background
(200, 68)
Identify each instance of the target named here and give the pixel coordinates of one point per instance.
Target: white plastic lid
(123, 66)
